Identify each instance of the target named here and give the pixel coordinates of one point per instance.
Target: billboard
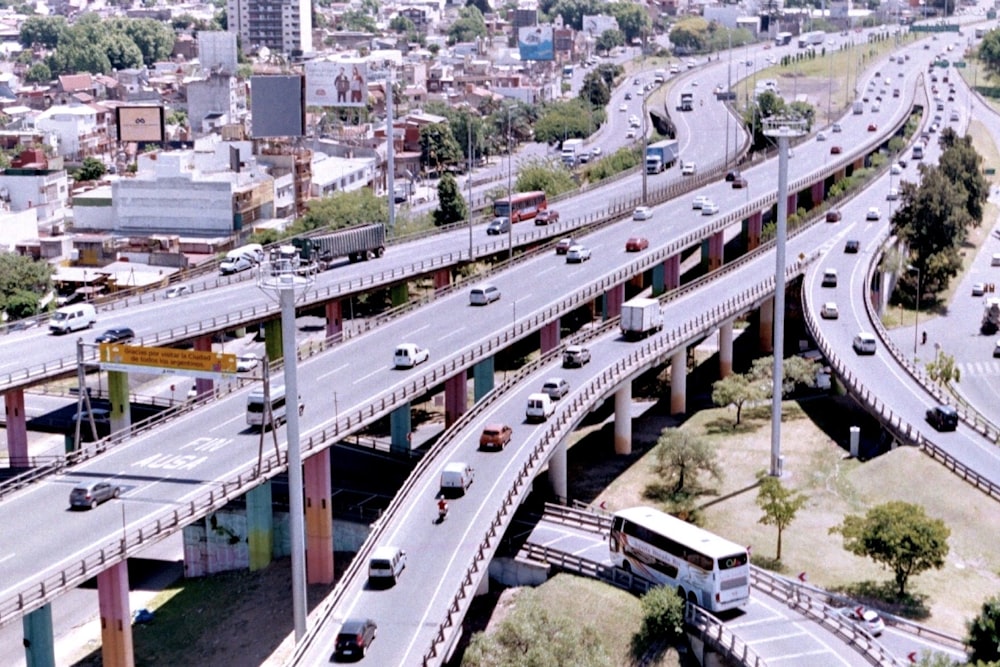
(139, 124)
(277, 106)
(595, 26)
(165, 360)
(340, 83)
(536, 43)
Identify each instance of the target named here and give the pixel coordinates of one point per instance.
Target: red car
(739, 182)
(563, 246)
(872, 127)
(834, 150)
(636, 243)
(547, 216)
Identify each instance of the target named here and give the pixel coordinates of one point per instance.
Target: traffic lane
(572, 541)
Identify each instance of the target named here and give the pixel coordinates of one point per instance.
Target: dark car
(835, 150)
(732, 175)
(498, 226)
(356, 635)
(872, 127)
(547, 216)
(739, 182)
(89, 496)
(116, 335)
(833, 215)
(943, 418)
(852, 246)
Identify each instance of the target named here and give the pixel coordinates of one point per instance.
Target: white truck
(571, 150)
(659, 76)
(859, 107)
(661, 155)
(814, 38)
(991, 317)
(640, 317)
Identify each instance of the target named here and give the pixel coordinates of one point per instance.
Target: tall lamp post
(781, 129)
(510, 191)
(284, 278)
(916, 317)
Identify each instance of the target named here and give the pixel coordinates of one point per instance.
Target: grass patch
(817, 465)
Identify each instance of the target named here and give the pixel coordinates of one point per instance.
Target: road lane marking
(336, 370)
(365, 377)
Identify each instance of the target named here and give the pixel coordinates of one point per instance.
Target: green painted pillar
(482, 378)
(260, 526)
(399, 294)
(659, 280)
(399, 429)
(121, 414)
(272, 339)
(39, 647)
(706, 255)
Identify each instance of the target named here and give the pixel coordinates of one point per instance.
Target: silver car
(92, 494)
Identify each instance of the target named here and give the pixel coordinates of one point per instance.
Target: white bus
(257, 407)
(706, 569)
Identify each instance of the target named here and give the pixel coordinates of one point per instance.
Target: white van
(456, 478)
(408, 355)
(385, 565)
(540, 406)
(257, 412)
(864, 343)
(995, 259)
(73, 318)
(484, 295)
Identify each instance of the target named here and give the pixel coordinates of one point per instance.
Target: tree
(795, 371)
(39, 73)
(358, 21)
(662, 616)
(569, 119)
(609, 39)
(633, 19)
(469, 25)
(681, 458)
(960, 163)
(989, 50)
(91, 170)
(535, 635)
(451, 206)
(23, 283)
(737, 390)
(779, 505)
(154, 39)
(122, 52)
(594, 90)
(983, 640)
(540, 174)
(42, 31)
(400, 24)
(943, 369)
(438, 147)
(344, 209)
(690, 34)
(898, 535)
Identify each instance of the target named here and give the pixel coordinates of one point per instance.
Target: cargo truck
(859, 107)
(991, 317)
(357, 244)
(661, 155)
(687, 101)
(571, 150)
(640, 317)
(814, 38)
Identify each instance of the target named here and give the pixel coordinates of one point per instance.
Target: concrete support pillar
(201, 385)
(793, 200)
(726, 349)
(39, 648)
(442, 278)
(671, 273)
(613, 300)
(399, 429)
(766, 327)
(550, 336)
(754, 228)
(335, 320)
(121, 412)
(482, 378)
(116, 618)
(399, 294)
(678, 382)
(260, 526)
(623, 419)
(716, 249)
(818, 192)
(272, 340)
(17, 428)
(319, 519)
(557, 472)
(456, 398)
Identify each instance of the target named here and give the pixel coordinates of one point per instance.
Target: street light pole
(781, 129)
(916, 317)
(510, 191)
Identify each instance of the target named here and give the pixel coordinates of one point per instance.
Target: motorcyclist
(442, 508)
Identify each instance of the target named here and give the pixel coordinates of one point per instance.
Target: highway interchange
(159, 474)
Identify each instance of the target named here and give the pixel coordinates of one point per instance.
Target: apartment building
(283, 26)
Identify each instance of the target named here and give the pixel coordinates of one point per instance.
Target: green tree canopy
(960, 163)
(662, 616)
(690, 34)
(737, 389)
(633, 19)
(989, 50)
(595, 90)
(899, 536)
(469, 25)
(451, 206)
(538, 174)
(983, 640)
(39, 73)
(533, 634)
(681, 458)
(567, 119)
(609, 39)
(23, 283)
(344, 209)
(438, 147)
(779, 504)
(91, 170)
(44, 31)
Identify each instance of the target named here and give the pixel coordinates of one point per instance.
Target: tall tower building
(283, 26)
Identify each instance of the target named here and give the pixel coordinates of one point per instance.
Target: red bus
(525, 207)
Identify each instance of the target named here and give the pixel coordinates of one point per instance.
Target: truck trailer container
(661, 155)
(640, 317)
(357, 244)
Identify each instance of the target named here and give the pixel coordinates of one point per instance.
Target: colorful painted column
(442, 278)
(766, 327)
(818, 193)
(335, 320)
(121, 412)
(623, 419)
(793, 200)
(400, 425)
(550, 336)
(272, 340)
(39, 647)
(726, 349)
(678, 382)
(116, 618)
(260, 526)
(17, 428)
(201, 385)
(482, 378)
(754, 228)
(399, 294)
(712, 250)
(612, 302)
(319, 519)
(456, 398)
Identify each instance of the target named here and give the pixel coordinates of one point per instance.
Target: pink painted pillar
(818, 190)
(442, 278)
(334, 320)
(203, 385)
(613, 300)
(672, 272)
(319, 519)
(793, 199)
(716, 249)
(116, 619)
(550, 336)
(17, 428)
(755, 226)
(456, 399)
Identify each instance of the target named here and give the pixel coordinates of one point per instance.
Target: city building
(283, 26)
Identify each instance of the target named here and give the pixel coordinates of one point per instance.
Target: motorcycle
(442, 512)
